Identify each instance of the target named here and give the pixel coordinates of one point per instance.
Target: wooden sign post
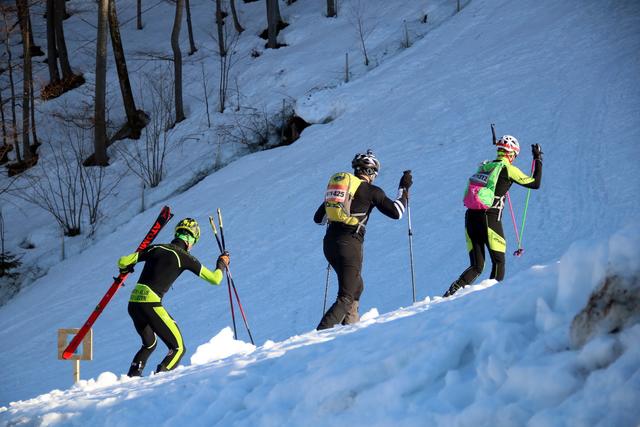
(64, 337)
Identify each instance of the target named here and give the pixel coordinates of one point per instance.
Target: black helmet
(366, 163)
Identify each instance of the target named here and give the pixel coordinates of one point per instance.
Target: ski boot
(455, 286)
(135, 370)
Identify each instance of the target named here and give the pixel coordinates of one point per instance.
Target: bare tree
(55, 186)
(12, 88)
(226, 45)
(93, 181)
(136, 120)
(272, 24)
(222, 51)
(146, 160)
(192, 43)
(331, 9)
(67, 72)
(4, 126)
(139, 14)
(276, 5)
(60, 184)
(57, 52)
(35, 49)
(234, 13)
(177, 62)
(34, 133)
(205, 91)
(362, 18)
(100, 130)
(52, 52)
(23, 19)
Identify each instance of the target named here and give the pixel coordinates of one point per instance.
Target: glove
(127, 269)
(406, 180)
(536, 150)
(223, 261)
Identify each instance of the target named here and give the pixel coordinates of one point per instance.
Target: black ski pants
(151, 320)
(343, 250)
(484, 228)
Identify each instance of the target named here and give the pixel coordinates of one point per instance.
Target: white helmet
(509, 144)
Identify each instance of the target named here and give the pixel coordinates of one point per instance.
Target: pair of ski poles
(518, 252)
(230, 283)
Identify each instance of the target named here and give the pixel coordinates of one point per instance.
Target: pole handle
(220, 218)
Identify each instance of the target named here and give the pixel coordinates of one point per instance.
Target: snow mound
(220, 347)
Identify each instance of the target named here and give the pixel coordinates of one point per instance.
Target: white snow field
(562, 74)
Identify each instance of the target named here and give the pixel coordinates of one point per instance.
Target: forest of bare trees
(26, 83)
(63, 169)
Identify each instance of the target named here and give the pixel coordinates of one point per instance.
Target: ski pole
(518, 251)
(215, 233)
(233, 314)
(493, 133)
(326, 289)
(244, 317)
(526, 204)
(230, 280)
(413, 277)
(221, 229)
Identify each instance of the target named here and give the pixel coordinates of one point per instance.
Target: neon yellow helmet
(190, 227)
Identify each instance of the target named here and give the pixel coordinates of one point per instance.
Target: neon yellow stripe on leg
(171, 324)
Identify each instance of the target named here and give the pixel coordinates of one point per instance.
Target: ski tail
(163, 218)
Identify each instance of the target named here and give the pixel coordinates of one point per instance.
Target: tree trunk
(121, 66)
(272, 24)
(12, 88)
(331, 8)
(4, 126)
(100, 136)
(177, 61)
(34, 134)
(52, 54)
(139, 14)
(234, 13)
(220, 26)
(276, 5)
(23, 19)
(192, 44)
(67, 73)
(35, 49)
(222, 84)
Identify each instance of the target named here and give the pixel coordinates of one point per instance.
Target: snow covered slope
(562, 74)
(490, 355)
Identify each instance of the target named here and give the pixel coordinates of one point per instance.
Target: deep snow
(562, 75)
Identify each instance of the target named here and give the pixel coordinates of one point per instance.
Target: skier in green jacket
(163, 264)
(483, 223)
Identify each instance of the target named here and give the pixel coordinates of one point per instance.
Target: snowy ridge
(490, 355)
